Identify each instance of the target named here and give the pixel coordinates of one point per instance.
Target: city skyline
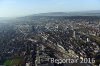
(16, 8)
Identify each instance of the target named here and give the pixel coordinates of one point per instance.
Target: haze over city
(49, 32)
(16, 8)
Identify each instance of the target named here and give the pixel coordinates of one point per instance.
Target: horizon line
(49, 12)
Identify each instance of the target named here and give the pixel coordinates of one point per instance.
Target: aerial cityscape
(52, 36)
(29, 39)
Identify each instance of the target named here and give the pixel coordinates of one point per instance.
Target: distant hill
(84, 13)
(52, 14)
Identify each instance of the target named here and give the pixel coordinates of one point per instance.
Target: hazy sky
(13, 8)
